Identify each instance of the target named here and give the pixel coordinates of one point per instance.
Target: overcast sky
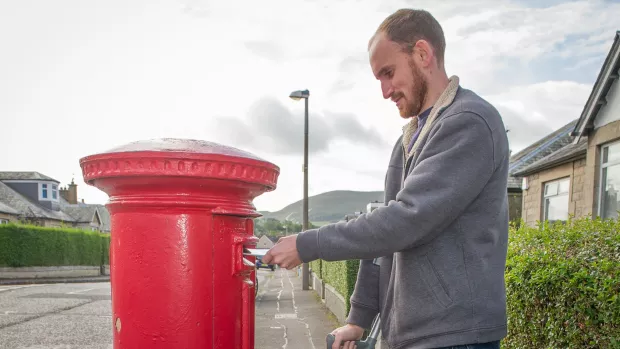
(80, 77)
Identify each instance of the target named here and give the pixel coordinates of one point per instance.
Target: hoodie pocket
(435, 283)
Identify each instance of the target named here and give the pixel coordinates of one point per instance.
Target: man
(433, 257)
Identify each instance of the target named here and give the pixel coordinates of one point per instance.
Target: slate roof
(7, 209)
(25, 176)
(84, 213)
(27, 208)
(568, 153)
(538, 150)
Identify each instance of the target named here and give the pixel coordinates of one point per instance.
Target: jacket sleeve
(365, 297)
(453, 168)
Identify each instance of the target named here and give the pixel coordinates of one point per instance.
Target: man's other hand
(284, 253)
(346, 336)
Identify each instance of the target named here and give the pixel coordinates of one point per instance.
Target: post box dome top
(183, 146)
(180, 157)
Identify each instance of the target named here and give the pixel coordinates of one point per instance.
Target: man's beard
(417, 93)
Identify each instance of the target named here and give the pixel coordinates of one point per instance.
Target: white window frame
(601, 189)
(557, 194)
(4, 221)
(51, 192)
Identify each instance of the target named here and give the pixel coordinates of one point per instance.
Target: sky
(81, 77)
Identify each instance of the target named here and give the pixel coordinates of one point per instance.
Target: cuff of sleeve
(361, 316)
(308, 245)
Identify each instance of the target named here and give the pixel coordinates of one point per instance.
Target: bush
(342, 276)
(316, 267)
(28, 246)
(563, 282)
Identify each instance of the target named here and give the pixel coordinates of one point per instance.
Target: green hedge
(342, 276)
(563, 282)
(316, 267)
(28, 246)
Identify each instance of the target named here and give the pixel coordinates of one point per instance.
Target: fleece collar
(444, 101)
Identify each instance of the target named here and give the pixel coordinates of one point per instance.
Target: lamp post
(297, 95)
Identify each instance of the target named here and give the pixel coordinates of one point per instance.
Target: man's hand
(346, 336)
(284, 253)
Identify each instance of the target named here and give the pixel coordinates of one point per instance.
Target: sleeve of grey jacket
(453, 168)
(365, 297)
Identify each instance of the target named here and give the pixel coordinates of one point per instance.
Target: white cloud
(81, 78)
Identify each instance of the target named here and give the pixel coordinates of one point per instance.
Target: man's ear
(423, 53)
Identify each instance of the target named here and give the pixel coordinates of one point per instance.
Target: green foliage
(563, 282)
(27, 246)
(275, 228)
(317, 268)
(342, 276)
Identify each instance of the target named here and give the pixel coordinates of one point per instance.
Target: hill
(331, 206)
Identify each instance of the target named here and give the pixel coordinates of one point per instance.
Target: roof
(12, 202)
(85, 213)
(608, 74)
(568, 153)
(25, 176)
(538, 150)
(27, 208)
(7, 209)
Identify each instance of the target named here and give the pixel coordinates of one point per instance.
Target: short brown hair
(407, 26)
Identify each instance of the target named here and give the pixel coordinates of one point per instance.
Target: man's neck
(435, 89)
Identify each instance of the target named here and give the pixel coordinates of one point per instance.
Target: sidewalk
(288, 317)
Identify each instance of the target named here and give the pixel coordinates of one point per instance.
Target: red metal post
(181, 215)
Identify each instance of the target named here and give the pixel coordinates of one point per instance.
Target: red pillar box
(181, 216)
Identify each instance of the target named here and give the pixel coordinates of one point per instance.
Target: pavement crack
(300, 320)
(285, 335)
(57, 311)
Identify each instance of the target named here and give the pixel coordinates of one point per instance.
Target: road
(63, 316)
(60, 316)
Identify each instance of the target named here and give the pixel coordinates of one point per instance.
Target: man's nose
(387, 90)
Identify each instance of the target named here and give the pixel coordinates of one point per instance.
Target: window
(555, 206)
(4, 221)
(610, 181)
(48, 191)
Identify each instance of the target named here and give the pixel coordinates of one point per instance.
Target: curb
(54, 280)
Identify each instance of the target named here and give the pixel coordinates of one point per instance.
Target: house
(264, 242)
(524, 158)
(582, 177)
(34, 198)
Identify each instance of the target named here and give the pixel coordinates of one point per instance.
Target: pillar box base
(181, 216)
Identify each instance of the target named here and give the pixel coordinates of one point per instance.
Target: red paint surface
(181, 213)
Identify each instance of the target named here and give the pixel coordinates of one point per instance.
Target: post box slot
(253, 252)
(242, 265)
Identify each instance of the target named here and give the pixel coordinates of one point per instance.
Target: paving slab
(288, 317)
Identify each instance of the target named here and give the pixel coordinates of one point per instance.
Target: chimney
(72, 193)
(64, 193)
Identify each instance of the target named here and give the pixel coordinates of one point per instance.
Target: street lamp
(297, 95)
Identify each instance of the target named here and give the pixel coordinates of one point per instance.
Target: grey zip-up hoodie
(433, 257)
